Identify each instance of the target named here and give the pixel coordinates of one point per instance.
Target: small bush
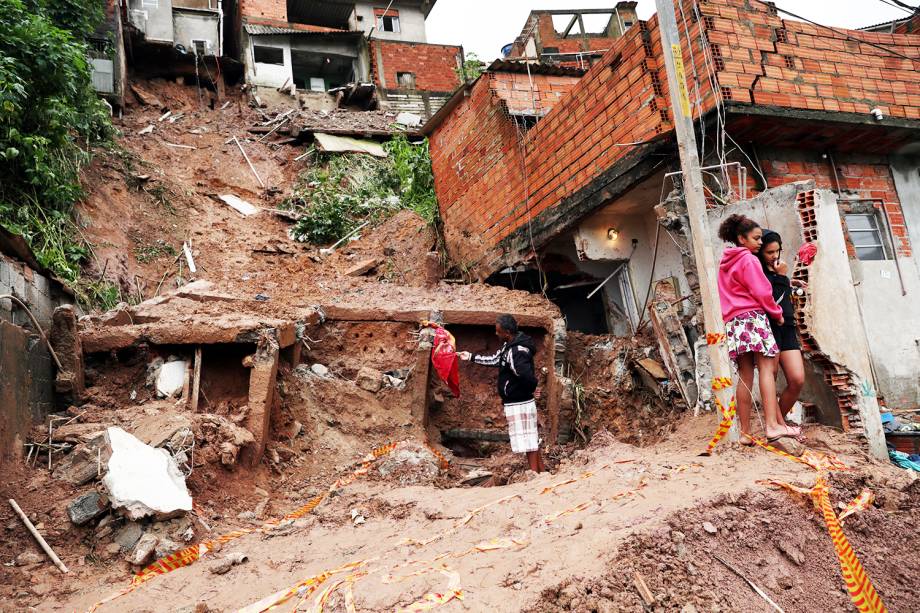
(50, 117)
(340, 192)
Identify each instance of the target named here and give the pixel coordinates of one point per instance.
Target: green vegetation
(50, 117)
(472, 68)
(340, 192)
(144, 253)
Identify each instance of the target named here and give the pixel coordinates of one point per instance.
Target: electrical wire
(898, 6)
(37, 327)
(840, 31)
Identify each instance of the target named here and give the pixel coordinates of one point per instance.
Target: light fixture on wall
(612, 234)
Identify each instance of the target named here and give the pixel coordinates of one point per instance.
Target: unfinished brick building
(572, 37)
(569, 199)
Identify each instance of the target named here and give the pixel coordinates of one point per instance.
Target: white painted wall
(591, 239)
(411, 21)
(268, 75)
(153, 17)
(189, 26)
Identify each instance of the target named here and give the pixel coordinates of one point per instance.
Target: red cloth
(807, 253)
(445, 360)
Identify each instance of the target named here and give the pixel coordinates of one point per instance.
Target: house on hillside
(319, 46)
(813, 131)
(107, 56)
(571, 37)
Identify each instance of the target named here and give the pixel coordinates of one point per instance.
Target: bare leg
(794, 370)
(535, 461)
(773, 421)
(743, 396)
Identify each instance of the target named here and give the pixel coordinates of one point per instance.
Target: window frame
(876, 230)
(380, 15)
(399, 79)
(258, 61)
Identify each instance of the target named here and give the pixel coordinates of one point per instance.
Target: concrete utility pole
(693, 193)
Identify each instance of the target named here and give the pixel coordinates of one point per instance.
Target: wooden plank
(196, 381)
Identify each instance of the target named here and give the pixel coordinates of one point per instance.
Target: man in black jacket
(517, 383)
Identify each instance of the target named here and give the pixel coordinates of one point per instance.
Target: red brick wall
(516, 90)
(433, 65)
(911, 26)
(268, 9)
(861, 179)
(473, 156)
(771, 61)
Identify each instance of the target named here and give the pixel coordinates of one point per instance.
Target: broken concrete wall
(268, 75)
(634, 219)
(832, 338)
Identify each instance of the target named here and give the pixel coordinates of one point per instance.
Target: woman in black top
(790, 356)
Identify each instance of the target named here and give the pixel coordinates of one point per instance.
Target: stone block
(86, 507)
(369, 379)
(128, 535)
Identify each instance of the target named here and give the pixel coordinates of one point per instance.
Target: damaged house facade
(571, 37)
(314, 47)
(812, 131)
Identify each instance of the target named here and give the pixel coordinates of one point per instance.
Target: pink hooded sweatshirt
(743, 286)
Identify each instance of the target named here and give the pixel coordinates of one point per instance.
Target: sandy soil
(634, 500)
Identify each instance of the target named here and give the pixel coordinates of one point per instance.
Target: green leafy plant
(50, 118)
(471, 69)
(340, 192)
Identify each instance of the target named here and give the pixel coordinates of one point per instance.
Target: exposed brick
(434, 66)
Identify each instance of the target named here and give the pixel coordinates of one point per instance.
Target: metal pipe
(894, 249)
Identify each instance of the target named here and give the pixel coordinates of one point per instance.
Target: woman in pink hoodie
(747, 300)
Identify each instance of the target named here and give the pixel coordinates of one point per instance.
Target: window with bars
(387, 21)
(866, 236)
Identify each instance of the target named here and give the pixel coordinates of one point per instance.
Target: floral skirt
(750, 333)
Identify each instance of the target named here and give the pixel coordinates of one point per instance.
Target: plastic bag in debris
(445, 360)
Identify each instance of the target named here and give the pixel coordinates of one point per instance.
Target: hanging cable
(841, 31)
(899, 6)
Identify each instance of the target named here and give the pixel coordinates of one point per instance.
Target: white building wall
(268, 75)
(189, 26)
(411, 21)
(153, 17)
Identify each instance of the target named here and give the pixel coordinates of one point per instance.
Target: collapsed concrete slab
(143, 481)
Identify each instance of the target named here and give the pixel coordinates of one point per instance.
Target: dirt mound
(404, 245)
(610, 393)
(778, 542)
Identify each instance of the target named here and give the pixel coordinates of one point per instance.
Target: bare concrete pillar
(262, 395)
(421, 375)
(65, 339)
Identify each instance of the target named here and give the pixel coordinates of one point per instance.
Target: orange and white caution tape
(555, 486)
(581, 507)
(436, 599)
(860, 503)
(461, 522)
(728, 414)
(859, 586)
